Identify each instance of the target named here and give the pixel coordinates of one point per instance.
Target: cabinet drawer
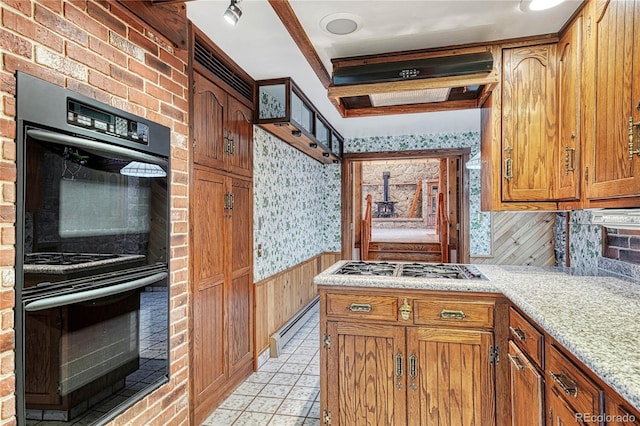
(570, 382)
(453, 312)
(362, 306)
(530, 340)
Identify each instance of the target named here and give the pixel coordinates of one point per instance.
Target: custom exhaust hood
(412, 82)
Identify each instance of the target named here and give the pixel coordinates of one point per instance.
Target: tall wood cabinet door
(209, 104)
(240, 133)
(240, 292)
(527, 387)
(614, 41)
(208, 351)
(366, 374)
(529, 119)
(450, 378)
(569, 72)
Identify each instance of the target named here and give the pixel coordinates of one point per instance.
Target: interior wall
(296, 206)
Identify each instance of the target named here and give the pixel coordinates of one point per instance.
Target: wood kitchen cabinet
(612, 101)
(221, 238)
(222, 129)
(618, 412)
(527, 390)
(421, 360)
(222, 286)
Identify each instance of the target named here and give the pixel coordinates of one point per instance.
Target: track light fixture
(233, 12)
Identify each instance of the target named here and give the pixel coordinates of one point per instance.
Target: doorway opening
(406, 206)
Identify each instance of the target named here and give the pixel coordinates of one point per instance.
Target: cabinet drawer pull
(569, 168)
(568, 386)
(413, 371)
(508, 169)
(457, 315)
(519, 333)
(360, 307)
(515, 360)
(399, 369)
(633, 144)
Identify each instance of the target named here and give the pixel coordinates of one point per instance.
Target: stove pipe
(385, 194)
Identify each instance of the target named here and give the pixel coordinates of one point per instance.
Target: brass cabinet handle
(399, 369)
(633, 145)
(519, 333)
(457, 315)
(360, 307)
(568, 386)
(405, 310)
(508, 169)
(515, 360)
(568, 168)
(413, 371)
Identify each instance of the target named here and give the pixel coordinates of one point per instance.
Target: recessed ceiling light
(535, 5)
(341, 23)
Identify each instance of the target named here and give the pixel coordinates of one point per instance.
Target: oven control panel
(92, 118)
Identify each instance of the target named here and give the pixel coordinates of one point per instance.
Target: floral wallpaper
(480, 222)
(296, 206)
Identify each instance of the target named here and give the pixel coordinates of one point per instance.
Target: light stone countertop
(597, 318)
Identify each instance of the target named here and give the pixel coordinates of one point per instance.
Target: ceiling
(261, 45)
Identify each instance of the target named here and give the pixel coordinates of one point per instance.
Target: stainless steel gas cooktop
(414, 270)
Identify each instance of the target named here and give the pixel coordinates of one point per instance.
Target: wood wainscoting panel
(279, 297)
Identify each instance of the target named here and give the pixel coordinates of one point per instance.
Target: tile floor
(284, 391)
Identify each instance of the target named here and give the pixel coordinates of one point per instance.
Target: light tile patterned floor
(285, 391)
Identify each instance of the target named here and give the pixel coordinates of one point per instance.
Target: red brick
(178, 177)
(7, 213)
(157, 64)
(172, 60)
(14, 63)
(178, 164)
(142, 41)
(107, 51)
(181, 128)
(143, 71)
(7, 301)
(631, 256)
(8, 409)
(54, 5)
(180, 78)
(143, 99)
(634, 242)
(175, 394)
(81, 55)
(126, 16)
(179, 251)
(9, 151)
(9, 193)
(84, 21)
(102, 14)
(172, 112)
(9, 106)
(59, 25)
(108, 85)
(611, 253)
(180, 103)
(159, 118)
(8, 235)
(23, 6)
(7, 385)
(60, 63)
(125, 105)
(7, 128)
(7, 324)
(87, 90)
(7, 364)
(158, 93)
(172, 86)
(32, 31)
(7, 82)
(179, 152)
(15, 44)
(126, 77)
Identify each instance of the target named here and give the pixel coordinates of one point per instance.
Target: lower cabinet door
(366, 382)
(526, 390)
(560, 413)
(450, 377)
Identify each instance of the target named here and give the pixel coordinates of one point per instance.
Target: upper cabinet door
(240, 135)
(208, 123)
(569, 71)
(529, 117)
(614, 66)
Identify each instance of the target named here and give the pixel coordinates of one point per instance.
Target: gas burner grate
(366, 268)
(442, 270)
(65, 258)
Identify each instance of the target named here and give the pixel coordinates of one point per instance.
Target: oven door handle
(83, 296)
(63, 139)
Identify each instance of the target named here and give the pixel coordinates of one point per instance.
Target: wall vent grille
(208, 59)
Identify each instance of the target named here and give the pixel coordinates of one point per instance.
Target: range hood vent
(444, 66)
(413, 82)
(616, 218)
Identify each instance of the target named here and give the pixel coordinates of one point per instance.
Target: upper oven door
(89, 205)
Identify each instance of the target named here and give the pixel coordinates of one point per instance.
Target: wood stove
(385, 208)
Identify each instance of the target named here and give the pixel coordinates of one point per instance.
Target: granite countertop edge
(549, 296)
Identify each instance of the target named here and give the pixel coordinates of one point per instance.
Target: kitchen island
(594, 318)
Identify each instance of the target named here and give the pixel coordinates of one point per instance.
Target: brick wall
(99, 49)
(622, 244)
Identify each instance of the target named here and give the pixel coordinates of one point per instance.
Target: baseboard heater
(284, 334)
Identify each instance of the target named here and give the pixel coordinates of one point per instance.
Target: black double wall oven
(91, 256)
